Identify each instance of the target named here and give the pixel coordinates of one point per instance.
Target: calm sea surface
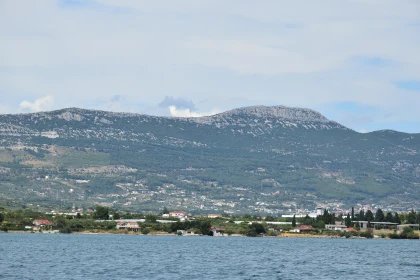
(59, 256)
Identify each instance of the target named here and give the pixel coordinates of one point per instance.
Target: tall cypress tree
(361, 215)
(389, 218)
(294, 221)
(397, 218)
(411, 217)
(352, 213)
(347, 220)
(369, 216)
(379, 217)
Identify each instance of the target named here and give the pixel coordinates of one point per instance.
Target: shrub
(65, 230)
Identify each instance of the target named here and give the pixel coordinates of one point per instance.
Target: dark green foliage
(150, 218)
(307, 221)
(326, 218)
(1, 217)
(379, 216)
(255, 229)
(116, 216)
(347, 221)
(320, 225)
(60, 222)
(367, 234)
(389, 218)
(204, 227)
(369, 216)
(101, 213)
(66, 230)
(407, 233)
(397, 218)
(411, 217)
(294, 221)
(361, 215)
(269, 218)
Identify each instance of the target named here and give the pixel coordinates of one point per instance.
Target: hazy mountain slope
(252, 159)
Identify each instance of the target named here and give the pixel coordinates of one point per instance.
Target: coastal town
(317, 223)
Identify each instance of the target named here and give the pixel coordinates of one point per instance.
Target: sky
(355, 61)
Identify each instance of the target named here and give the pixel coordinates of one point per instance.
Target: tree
(347, 220)
(150, 218)
(379, 216)
(1, 217)
(320, 224)
(389, 218)
(294, 221)
(411, 217)
(60, 222)
(369, 216)
(269, 218)
(101, 213)
(204, 227)
(352, 213)
(397, 218)
(165, 210)
(361, 215)
(255, 229)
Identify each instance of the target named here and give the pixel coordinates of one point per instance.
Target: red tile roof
(305, 227)
(218, 228)
(44, 222)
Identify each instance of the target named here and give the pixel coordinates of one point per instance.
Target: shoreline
(285, 235)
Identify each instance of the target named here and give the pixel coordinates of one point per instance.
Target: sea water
(77, 256)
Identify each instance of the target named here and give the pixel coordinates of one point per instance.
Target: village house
(134, 226)
(218, 231)
(303, 228)
(335, 227)
(41, 223)
(376, 225)
(178, 214)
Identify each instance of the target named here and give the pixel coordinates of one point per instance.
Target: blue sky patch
(413, 85)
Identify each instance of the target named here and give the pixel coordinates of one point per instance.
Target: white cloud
(40, 104)
(187, 113)
(214, 53)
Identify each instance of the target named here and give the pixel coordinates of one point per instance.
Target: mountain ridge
(260, 111)
(251, 159)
